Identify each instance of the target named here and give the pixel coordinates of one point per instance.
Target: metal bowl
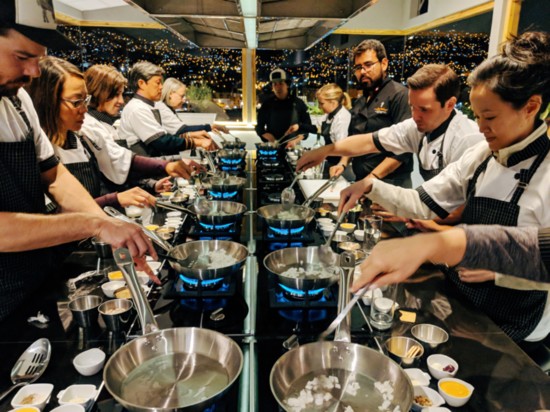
(234, 145)
(271, 215)
(84, 310)
(405, 351)
(224, 184)
(430, 334)
(191, 258)
(208, 211)
(281, 260)
(116, 313)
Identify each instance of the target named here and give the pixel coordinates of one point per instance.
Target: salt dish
(82, 395)
(89, 362)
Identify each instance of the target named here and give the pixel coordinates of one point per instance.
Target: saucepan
(348, 376)
(185, 369)
(201, 259)
(211, 212)
(286, 216)
(223, 183)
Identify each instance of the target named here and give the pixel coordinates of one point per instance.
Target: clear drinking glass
(382, 309)
(372, 230)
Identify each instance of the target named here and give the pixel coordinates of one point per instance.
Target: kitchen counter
(504, 377)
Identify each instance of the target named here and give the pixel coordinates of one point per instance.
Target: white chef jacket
(14, 129)
(138, 123)
(448, 190)
(339, 127)
(404, 137)
(114, 160)
(170, 120)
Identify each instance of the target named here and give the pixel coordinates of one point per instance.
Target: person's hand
(183, 168)
(136, 196)
(475, 275)
(391, 261)
(426, 225)
(294, 142)
(293, 128)
(378, 210)
(213, 146)
(141, 264)
(269, 137)
(163, 185)
(202, 139)
(219, 128)
(336, 170)
(128, 235)
(350, 195)
(312, 158)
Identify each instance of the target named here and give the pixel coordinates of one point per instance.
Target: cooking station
(260, 314)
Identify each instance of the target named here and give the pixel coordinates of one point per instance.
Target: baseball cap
(277, 75)
(34, 19)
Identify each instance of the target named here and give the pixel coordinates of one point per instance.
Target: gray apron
(516, 312)
(21, 273)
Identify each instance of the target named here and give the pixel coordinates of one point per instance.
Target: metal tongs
(323, 187)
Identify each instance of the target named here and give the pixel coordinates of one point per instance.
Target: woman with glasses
(502, 181)
(61, 99)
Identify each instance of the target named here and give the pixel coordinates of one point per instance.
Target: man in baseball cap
(277, 75)
(34, 19)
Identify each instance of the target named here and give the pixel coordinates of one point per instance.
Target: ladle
(326, 254)
(30, 365)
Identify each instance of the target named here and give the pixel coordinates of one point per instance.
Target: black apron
(87, 173)
(21, 273)
(516, 312)
(428, 174)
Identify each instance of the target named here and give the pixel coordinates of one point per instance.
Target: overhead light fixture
(250, 32)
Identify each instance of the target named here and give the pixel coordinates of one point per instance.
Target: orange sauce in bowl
(455, 389)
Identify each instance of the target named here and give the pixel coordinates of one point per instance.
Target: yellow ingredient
(26, 410)
(116, 275)
(123, 293)
(347, 225)
(152, 227)
(454, 389)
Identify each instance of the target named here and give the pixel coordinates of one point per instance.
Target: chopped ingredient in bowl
(449, 368)
(32, 399)
(423, 400)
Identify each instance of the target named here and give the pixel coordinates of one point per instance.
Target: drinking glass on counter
(372, 230)
(382, 309)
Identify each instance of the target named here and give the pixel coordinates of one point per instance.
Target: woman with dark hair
(503, 181)
(61, 99)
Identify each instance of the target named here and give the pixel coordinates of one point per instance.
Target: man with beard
(29, 168)
(384, 103)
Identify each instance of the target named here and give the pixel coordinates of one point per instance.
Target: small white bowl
(452, 400)
(429, 393)
(34, 394)
(174, 213)
(81, 395)
(359, 235)
(322, 220)
(89, 362)
(69, 407)
(326, 232)
(143, 278)
(437, 362)
(109, 288)
(418, 377)
(133, 211)
(25, 409)
(347, 227)
(340, 233)
(369, 294)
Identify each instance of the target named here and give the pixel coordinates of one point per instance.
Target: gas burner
(231, 168)
(300, 315)
(231, 161)
(273, 246)
(274, 197)
(228, 227)
(276, 232)
(276, 177)
(267, 152)
(223, 195)
(197, 284)
(271, 163)
(300, 295)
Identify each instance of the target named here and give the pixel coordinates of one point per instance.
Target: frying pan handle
(126, 264)
(347, 264)
(111, 211)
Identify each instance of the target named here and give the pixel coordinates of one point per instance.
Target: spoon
(30, 365)
(326, 254)
(287, 195)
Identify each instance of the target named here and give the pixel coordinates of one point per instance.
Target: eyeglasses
(367, 66)
(79, 103)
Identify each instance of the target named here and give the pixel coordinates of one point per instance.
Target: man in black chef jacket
(384, 103)
(281, 111)
(28, 169)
